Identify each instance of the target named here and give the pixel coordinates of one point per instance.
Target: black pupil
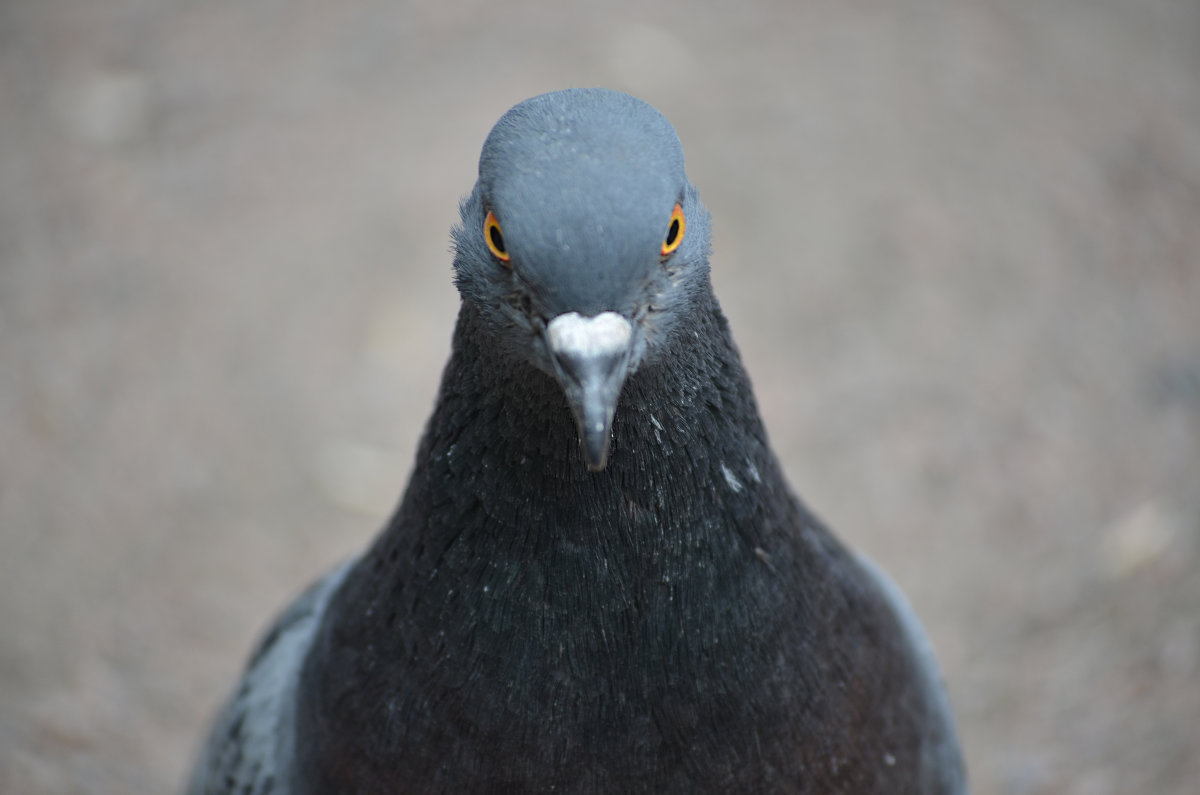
(497, 238)
(673, 232)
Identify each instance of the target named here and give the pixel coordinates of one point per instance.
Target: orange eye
(674, 231)
(495, 239)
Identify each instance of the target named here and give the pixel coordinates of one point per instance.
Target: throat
(502, 502)
(508, 551)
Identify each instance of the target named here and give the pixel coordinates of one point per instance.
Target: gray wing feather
(943, 753)
(250, 749)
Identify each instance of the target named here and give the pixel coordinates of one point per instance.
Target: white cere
(605, 334)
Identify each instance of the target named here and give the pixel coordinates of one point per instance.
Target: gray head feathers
(582, 183)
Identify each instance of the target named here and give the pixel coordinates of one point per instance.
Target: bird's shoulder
(941, 756)
(251, 745)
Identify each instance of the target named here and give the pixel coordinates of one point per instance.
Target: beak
(591, 359)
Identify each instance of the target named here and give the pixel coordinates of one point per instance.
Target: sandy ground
(959, 244)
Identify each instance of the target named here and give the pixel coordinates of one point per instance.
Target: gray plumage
(252, 744)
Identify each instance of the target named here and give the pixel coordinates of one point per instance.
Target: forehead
(583, 183)
(559, 149)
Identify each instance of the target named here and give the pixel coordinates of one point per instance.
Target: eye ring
(494, 237)
(675, 230)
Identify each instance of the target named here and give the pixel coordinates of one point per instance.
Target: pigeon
(598, 579)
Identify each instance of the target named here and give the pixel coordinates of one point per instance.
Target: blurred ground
(959, 244)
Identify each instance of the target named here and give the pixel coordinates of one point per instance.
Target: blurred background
(958, 242)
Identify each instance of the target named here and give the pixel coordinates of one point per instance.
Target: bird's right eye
(495, 239)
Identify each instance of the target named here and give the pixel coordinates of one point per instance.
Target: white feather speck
(733, 482)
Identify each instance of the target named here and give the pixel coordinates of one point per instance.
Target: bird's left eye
(495, 239)
(675, 231)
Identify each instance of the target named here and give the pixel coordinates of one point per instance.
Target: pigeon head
(582, 245)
